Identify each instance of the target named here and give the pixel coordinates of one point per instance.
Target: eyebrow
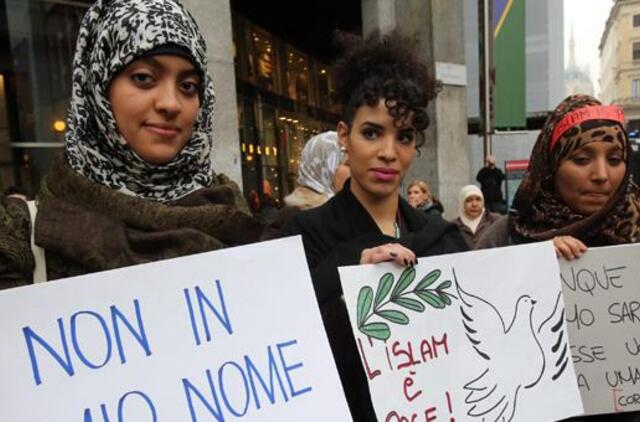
(409, 129)
(375, 125)
(183, 74)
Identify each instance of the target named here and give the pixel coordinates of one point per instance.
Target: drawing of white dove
(514, 351)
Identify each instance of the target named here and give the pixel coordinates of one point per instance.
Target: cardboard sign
(602, 295)
(476, 336)
(227, 335)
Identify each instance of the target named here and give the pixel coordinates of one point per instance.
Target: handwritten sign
(473, 336)
(602, 295)
(228, 335)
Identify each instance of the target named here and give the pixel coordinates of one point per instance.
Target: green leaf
(377, 330)
(406, 278)
(445, 298)
(396, 317)
(365, 299)
(444, 285)
(428, 280)
(384, 286)
(432, 299)
(406, 302)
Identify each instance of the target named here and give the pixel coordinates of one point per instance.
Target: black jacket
(491, 183)
(334, 235)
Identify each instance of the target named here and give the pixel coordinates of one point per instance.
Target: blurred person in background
(419, 196)
(490, 178)
(473, 218)
(323, 171)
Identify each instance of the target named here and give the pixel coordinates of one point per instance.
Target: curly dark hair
(383, 67)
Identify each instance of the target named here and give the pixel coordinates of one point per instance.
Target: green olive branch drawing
(398, 294)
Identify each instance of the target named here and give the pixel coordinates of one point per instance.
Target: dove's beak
(533, 302)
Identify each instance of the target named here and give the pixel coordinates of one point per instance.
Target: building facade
(620, 60)
(544, 44)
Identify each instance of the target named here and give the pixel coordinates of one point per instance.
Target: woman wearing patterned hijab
(578, 190)
(136, 172)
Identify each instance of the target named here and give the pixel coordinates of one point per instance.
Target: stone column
(439, 25)
(214, 20)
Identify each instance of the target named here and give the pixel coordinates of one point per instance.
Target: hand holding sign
(465, 336)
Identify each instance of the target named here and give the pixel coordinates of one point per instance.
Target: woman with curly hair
(385, 91)
(578, 190)
(135, 183)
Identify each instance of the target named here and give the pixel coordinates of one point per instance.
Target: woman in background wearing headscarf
(135, 183)
(323, 171)
(473, 217)
(578, 190)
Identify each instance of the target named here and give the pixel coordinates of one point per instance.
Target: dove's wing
(482, 322)
(491, 399)
(554, 340)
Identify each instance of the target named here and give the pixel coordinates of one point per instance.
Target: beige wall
(609, 64)
(617, 67)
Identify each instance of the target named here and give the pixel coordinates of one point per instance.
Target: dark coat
(488, 218)
(86, 227)
(334, 235)
(490, 180)
(433, 208)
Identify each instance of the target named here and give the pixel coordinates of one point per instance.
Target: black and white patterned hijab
(113, 34)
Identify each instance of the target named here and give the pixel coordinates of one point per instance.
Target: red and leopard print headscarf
(539, 214)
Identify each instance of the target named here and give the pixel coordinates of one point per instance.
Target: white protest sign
(602, 296)
(470, 337)
(228, 335)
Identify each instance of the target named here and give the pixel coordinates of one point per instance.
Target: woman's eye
(142, 79)
(406, 138)
(370, 134)
(581, 160)
(615, 161)
(190, 87)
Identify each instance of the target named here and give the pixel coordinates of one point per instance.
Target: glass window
(636, 51)
(324, 87)
(7, 177)
(636, 20)
(248, 152)
(297, 76)
(267, 152)
(635, 87)
(36, 59)
(263, 63)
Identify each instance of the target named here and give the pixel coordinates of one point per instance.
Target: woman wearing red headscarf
(578, 190)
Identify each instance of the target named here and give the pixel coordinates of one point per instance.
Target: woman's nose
(387, 150)
(600, 170)
(167, 99)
